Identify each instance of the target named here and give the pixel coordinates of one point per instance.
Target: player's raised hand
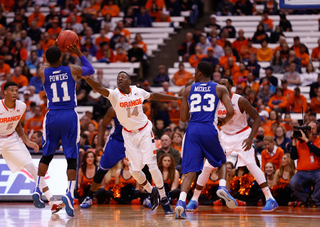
(56, 43)
(246, 144)
(33, 145)
(73, 49)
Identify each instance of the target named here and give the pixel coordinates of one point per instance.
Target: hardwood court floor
(26, 215)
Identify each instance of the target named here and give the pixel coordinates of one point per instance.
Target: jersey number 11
(55, 97)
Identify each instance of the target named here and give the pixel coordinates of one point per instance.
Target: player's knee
(46, 159)
(72, 163)
(98, 177)
(153, 167)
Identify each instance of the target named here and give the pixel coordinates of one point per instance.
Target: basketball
(66, 38)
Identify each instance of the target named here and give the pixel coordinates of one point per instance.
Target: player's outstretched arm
(102, 128)
(223, 95)
(97, 86)
(184, 114)
(161, 97)
(86, 69)
(24, 138)
(245, 105)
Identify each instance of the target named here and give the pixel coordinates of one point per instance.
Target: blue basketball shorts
(113, 152)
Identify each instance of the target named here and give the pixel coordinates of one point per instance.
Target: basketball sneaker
(68, 201)
(180, 210)
(56, 206)
(86, 203)
(223, 193)
(165, 203)
(192, 205)
(37, 200)
(154, 198)
(146, 203)
(270, 206)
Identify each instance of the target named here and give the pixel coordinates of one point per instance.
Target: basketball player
(237, 136)
(113, 152)
(61, 121)
(139, 142)
(202, 139)
(12, 149)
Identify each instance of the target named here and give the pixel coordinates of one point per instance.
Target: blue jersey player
(201, 141)
(113, 152)
(61, 121)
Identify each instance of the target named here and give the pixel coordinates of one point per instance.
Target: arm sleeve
(294, 153)
(87, 69)
(314, 149)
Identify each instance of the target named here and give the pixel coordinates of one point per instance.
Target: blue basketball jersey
(60, 88)
(203, 102)
(117, 134)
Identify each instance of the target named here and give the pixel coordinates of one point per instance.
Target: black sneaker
(312, 204)
(304, 204)
(165, 203)
(154, 198)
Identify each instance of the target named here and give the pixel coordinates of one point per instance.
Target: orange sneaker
(56, 206)
(218, 203)
(241, 203)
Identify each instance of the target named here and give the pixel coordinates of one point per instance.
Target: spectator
(90, 46)
(161, 77)
(166, 148)
(55, 28)
(135, 54)
(8, 41)
(36, 81)
(143, 19)
(182, 77)
(234, 69)
(37, 16)
(309, 77)
(265, 93)
(88, 33)
(266, 22)
(160, 4)
(204, 44)
(111, 8)
(128, 19)
(81, 98)
(306, 151)
(253, 65)
(225, 8)
(154, 12)
(37, 138)
(210, 58)
(8, 56)
(188, 5)
(4, 68)
(105, 53)
(102, 37)
(67, 59)
(286, 92)
(218, 51)
(284, 23)
(314, 88)
(276, 34)
(278, 101)
(26, 40)
(272, 79)
(107, 20)
(231, 30)
(34, 32)
(174, 8)
(75, 24)
(285, 50)
(20, 79)
(241, 75)
(121, 55)
(217, 76)
(296, 45)
(277, 64)
(251, 82)
(315, 56)
(269, 171)
(303, 55)
(281, 139)
(187, 48)
(47, 42)
(115, 38)
(228, 53)
(258, 141)
(264, 53)
(260, 34)
(298, 102)
(196, 58)
(212, 25)
(315, 102)
(292, 76)
(240, 41)
(34, 123)
(174, 113)
(223, 38)
(292, 58)
(271, 154)
(122, 43)
(243, 8)
(165, 86)
(93, 22)
(103, 81)
(33, 61)
(246, 50)
(140, 42)
(282, 40)
(271, 6)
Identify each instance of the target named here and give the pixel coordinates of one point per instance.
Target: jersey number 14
(55, 97)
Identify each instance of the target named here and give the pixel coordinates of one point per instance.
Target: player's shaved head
(205, 68)
(53, 54)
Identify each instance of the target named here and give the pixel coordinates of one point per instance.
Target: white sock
(196, 194)
(162, 192)
(71, 187)
(267, 193)
(48, 195)
(183, 196)
(148, 187)
(222, 182)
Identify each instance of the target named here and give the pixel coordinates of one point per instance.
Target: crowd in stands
(24, 41)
